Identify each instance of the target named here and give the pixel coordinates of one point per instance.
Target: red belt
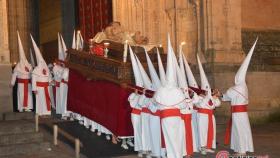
(188, 129)
(148, 111)
(164, 114)
(170, 113)
(136, 111)
(234, 109)
(195, 108)
(210, 134)
(45, 85)
(57, 84)
(63, 81)
(25, 90)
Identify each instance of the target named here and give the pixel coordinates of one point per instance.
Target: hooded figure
(145, 102)
(155, 129)
(192, 84)
(238, 132)
(41, 78)
(171, 100)
(206, 118)
(57, 72)
(64, 82)
(22, 73)
(190, 137)
(136, 108)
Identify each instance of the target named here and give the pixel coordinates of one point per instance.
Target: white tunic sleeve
(216, 102)
(153, 106)
(225, 97)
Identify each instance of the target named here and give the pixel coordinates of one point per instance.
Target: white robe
(38, 76)
(136, 122)
(241, 135)
(64, 91)
(173, 127)
(145, 122)
(19, 72)
(189, 110)
(195, 128)
(57, 72)
(155, 131)
(203, 121)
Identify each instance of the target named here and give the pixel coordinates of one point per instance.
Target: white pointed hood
(171, 79)
(182, 69)
(191, 80)
(134, 97)
(161, 69)
(153, 73)
(204, 81)
(64, 48)
(74, 40)
(32, 58)
(23, 65)
(146, 80)
(22, 57)
(170, 94)
(135, 68)
(60, 49)
(240, 76)
(181, 75)
(39, 58)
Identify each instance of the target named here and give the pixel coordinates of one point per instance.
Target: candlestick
(106, 50)
(90, 45)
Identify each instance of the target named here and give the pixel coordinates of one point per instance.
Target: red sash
(188, 129)
(210, 134)
(148, 111)
(234, 109)
(63, 81)
(195, 108)
(57, 84)
(136, 111)
(25, 90)
(164, 114)
(45, 85)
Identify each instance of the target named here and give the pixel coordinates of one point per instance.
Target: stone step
(24, 148)
(18, 116)
(46, 154)
(18, 126)
(21, 138)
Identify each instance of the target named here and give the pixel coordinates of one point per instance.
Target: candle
(78, 42)
(181, 46)
(125, 51)
(106, 50)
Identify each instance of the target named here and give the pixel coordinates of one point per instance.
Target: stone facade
(4, 42)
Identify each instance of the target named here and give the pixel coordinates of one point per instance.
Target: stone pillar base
(5, 90)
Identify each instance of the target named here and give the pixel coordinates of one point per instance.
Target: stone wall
(260, 14)
(50, 20)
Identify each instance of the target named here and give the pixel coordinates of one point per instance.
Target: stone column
(5, 66)
(222, 31)
(4, 42)
(22, 17)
